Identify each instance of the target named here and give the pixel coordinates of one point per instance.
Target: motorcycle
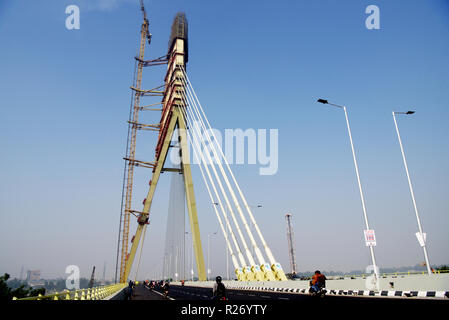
(317, 291)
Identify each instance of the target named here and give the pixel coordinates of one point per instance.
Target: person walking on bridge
(130, 289)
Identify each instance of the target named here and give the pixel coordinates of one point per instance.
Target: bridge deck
(142, 293)
(183, 293)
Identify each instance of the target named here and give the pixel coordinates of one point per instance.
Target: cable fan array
(226, 196)
(174, 254)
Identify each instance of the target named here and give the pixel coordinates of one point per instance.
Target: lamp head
(323, 101)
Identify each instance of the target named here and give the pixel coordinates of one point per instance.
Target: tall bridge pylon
(171, 119)
(183, 118)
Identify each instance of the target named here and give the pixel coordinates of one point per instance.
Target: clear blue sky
(64, 102)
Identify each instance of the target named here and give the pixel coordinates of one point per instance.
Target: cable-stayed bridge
(182, 125)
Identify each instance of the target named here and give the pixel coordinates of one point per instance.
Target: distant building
(33, 276)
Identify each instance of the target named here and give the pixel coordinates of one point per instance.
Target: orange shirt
(318, 278)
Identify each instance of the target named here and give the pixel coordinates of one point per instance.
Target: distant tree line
(20, 290)
(416, 268)
(442, 268)
(10, 288)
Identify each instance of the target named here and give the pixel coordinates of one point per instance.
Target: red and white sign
(370, 238)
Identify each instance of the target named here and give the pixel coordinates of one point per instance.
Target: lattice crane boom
(291, 248)
(131, 162)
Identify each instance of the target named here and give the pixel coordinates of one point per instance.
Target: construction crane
(130, 161)
(142, 8)
(92, 279)
(145, 22)
(291, 249)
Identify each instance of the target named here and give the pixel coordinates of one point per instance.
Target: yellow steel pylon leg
(190, 196)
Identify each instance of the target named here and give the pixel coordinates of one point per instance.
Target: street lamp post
(184, 257)
(191, 258)
(371, 245)
(226, 247)
(208, 253)
(176, 263)
(227, 253)
(420, 235)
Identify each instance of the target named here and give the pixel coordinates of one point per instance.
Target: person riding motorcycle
(219, 290)
(318, 283)
(166, 287)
